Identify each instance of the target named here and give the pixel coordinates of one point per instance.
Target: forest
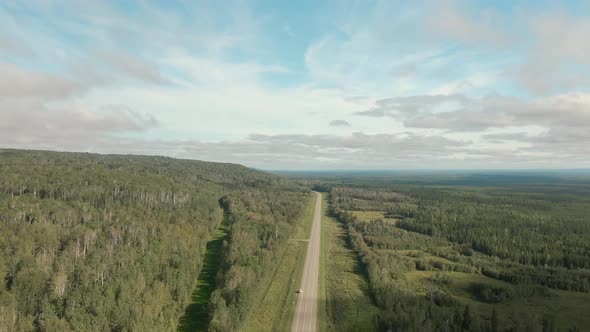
(115, 243)
(464, 254)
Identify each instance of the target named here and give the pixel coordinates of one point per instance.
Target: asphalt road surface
(306, 311)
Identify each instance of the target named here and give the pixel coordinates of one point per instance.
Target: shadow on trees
(196, 316)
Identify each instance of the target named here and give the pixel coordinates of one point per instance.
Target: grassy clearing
(371, 215)
(274, 309)
(348, 305)
(523, 305)
(572, 306)
(196, 315)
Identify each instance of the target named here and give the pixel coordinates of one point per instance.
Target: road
(306, 310)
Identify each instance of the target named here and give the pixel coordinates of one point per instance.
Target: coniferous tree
(495, 324)
(467, 319)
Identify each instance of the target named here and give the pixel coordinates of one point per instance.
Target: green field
(196, 316)
(511, 258)
(349, 306)
(273, 310)
(371, 215)
(572, 306)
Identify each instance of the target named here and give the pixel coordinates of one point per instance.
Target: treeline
(114, 243)
(526, 237)
(261, 222)
(541, 237)
(399, 308)
(392, 251)
(548, 228)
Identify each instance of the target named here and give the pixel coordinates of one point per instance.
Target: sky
(298, 85)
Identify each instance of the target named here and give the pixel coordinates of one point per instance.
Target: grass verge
(572, 306)
(348, 304)
(275, 307)
(323, 297)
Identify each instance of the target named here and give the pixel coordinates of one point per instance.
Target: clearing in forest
(196, 316)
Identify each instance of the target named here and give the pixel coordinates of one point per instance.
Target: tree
(495, 322)
(467, 319)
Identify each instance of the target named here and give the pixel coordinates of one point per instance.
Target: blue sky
(302, 84)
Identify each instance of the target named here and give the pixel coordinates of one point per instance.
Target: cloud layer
(462, 113)
(442, 84)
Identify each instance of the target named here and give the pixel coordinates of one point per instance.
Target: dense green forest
(471, 256)
(115, 243)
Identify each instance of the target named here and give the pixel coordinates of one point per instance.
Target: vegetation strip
(323, 297)
(349, 305)
(272, 311)
(196, 317)
(457, 258)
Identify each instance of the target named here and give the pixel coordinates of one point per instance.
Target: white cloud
(560, 37)
(339, 123)
(480, 27)
(134, 67)
(214, 80)
(461, 113)
(17, 82)
(550, 52)
(12, 46)
(31, 123)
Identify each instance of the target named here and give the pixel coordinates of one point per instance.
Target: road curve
(306, 310)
